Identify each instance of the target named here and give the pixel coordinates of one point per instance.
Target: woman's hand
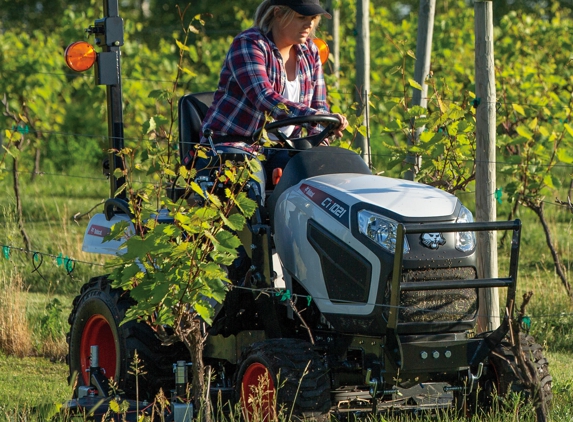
(338, 132)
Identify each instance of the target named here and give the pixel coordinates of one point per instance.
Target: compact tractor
(384, 272)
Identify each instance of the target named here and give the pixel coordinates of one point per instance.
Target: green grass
(50, 203)
(32, 381)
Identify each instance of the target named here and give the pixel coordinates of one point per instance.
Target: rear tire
(95, 319)
(283, 363)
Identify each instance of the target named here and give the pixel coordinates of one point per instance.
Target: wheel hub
(258, 393)
(97, 332)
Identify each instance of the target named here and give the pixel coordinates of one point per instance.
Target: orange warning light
(323, 49)
(80, 56)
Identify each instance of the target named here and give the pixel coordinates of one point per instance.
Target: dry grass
(15, 335)
(54, 349)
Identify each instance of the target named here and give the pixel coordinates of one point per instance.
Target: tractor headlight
(465, 241)
(381, 230)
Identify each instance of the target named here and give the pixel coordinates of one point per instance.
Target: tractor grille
(437, 305)
(346, 274)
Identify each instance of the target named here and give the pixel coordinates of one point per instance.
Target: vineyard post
(485, 102)
(421, 73)
(362, 70)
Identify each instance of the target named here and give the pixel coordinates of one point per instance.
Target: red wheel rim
(258, 393)
(97, 332)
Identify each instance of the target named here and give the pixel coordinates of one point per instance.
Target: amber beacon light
(80, 56)
(323, 49)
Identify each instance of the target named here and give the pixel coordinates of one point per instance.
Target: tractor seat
(192, 110)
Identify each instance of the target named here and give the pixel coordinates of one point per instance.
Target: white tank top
(291, 93)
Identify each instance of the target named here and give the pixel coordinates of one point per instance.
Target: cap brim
(311, 10)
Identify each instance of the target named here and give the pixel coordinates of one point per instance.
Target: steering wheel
(306, 142)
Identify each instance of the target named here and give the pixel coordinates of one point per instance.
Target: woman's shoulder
(308, 49)
(252, 38)
(253, 33)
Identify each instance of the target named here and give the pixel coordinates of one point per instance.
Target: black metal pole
(109, 36)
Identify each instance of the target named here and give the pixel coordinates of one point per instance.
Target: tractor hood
(318, 240)
(401, 199)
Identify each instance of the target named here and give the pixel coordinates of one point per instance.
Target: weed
(15, 336)
(51, 332)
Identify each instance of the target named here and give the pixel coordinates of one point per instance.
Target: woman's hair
(265, 17)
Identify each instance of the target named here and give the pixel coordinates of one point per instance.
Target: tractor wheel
(505, 376)
(282, 374)
(97, 312)
(508, 373)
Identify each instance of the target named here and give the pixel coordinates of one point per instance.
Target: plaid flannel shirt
(251, 83)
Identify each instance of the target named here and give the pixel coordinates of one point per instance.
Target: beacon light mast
(80, 56)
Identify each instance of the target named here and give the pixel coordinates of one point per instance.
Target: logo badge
(432, 240)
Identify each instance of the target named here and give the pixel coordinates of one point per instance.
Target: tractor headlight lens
(465, 241)
(381, 230)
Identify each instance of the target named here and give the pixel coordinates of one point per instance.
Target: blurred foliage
(63, 113)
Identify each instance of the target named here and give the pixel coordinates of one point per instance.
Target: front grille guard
(495, 337)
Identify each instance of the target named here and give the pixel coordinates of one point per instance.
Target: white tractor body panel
(327, 200)
(98, 228)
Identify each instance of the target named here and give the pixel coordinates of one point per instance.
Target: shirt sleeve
(318, 100)
(250, 62)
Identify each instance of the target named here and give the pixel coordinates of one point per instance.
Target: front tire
(510, 376)
(505, 376)
(294, 378)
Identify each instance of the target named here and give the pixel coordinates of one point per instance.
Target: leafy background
(54, 124)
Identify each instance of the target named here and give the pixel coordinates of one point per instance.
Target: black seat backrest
(192, 109)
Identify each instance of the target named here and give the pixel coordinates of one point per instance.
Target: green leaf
(245, 204)
(160, 94)
(215, 200)
(188, 72)
(426, 136)
(193, 53)
(525, 132)
(414, 84)
(204, 311)
(417, 111)
(518, 109)
(235, 222)
(227, 241)
(149, 126)
(159, 292)
(197, 189)
(181, 45)
(564, 156)
(543, 131)
(568, 128)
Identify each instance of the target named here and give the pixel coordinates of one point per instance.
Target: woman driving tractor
(273, 68)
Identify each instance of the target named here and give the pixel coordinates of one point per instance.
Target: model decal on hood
(333, 206)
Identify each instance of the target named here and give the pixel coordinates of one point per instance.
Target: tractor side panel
(318, 250)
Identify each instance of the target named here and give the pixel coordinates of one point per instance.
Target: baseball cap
(303, 7)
